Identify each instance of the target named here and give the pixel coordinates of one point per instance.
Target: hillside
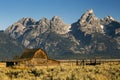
(9, 48)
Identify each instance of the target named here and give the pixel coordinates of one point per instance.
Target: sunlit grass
(107, 71)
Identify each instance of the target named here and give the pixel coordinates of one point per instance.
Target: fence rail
(87, 60)
(90, 61)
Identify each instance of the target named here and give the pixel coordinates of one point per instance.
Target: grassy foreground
(107, 71)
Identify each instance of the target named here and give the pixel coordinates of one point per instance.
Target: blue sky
(69, 10)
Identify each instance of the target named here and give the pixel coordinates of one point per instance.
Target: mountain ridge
(88, 35)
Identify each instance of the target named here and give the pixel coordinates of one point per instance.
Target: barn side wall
(34, 62)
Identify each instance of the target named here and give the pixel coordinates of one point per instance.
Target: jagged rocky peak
(89, 12)
(56, 19)
(27, 21)
(43, 22)
(109, 18)
(58, 26)
(89, 23)
(111, 26)
(88, 16)
(15, 30)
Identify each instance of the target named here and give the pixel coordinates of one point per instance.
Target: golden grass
(106, 71)
(2, 64)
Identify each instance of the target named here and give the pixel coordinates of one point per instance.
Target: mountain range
(88, 37)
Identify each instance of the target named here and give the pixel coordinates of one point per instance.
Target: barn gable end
(40, 54)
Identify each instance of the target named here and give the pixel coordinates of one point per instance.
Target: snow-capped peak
(102, 26)
(110, 17)
(90, 11)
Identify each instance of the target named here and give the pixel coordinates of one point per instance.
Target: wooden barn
(36, 57)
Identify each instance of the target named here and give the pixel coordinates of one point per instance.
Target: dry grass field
(106, 71)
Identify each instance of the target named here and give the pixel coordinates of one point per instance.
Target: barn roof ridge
(30, 53)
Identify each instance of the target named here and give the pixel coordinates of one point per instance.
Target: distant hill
(87, 37)
(9, 47)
